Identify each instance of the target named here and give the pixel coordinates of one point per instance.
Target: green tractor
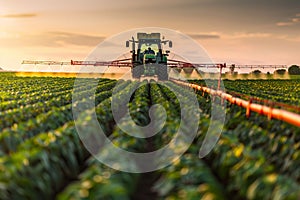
(149, 59)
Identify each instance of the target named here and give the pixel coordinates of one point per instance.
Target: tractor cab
(149, 59)
(149, 53)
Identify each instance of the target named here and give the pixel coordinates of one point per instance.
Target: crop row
(43, 95)
(14, 88)
(254, 157)
(10, 138)
(284, 91)
(99, 181)
(43, 164)
(22, 113)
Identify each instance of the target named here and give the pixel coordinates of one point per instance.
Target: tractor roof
(148, 36)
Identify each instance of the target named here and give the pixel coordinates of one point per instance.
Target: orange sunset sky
(231, 31)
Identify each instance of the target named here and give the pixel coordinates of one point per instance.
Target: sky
(231, 31)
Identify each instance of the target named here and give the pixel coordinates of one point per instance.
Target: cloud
(284, 24)
(66, 38)
(50, 39)
(240, 35)
(19, 15)
(291, 21)
(236, 35)
(253, 35)
(205, 36)
(296, 20)
(288, 38)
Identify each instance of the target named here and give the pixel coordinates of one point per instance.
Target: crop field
(285, 91)
(43, 156)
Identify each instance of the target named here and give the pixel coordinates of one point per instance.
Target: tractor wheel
(137, 71)
(162, 72)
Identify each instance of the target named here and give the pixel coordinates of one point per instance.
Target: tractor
(149, 59)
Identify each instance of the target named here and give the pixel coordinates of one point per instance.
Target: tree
(294, 70)
(232, 67)
(256, 72)
(280, 71)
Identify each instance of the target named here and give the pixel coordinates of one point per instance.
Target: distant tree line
(292, 70)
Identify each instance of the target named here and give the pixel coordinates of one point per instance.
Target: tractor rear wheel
(162, 72)
(137, 71)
